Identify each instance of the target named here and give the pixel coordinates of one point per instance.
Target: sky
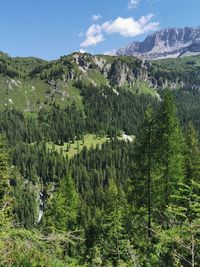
(52, 28)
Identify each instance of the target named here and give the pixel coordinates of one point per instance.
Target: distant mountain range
(166, 43)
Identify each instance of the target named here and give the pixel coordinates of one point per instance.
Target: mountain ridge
(165, 43)
(31, 83)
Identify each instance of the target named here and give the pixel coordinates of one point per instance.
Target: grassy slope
(89, 141)
(140, 87)
(25, 94)
(66, 91)
(29, 94)
(190, 63)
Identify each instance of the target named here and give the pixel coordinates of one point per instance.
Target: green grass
(189, 63)
(23, 94)
(97, 77)
(29, 94)
(147, 90)
(139, 87)
(71, 149)
(71, 94)
(90, 140)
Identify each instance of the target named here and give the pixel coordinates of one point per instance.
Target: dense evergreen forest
(130, 199)
(120, 203)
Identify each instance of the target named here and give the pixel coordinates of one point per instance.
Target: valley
(99, 159)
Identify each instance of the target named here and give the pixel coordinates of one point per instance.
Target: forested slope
(120, 202)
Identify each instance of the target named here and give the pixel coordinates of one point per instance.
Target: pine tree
(5, 199)
(192, 154)
(113, 240)
(26, 202)
(169, 149)
(180, 241)
(4, 181)
(63, 207)
(145, 167)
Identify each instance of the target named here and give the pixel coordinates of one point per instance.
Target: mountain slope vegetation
(99, 161)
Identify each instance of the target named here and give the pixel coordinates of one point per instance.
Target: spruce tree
(62, 209)
(145, 167)
(5, 199)
(179, 243)
(113, 240)
(169, 149)
(26, 202)
(192, 154)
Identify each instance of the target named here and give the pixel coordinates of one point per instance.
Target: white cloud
(93, 36)
(127, 27)
(110, 53)
(82, 51)
(96, 17)
(133, 3)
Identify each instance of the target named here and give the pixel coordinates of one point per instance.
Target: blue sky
(51, 28)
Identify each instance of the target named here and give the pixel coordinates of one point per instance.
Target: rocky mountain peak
(170, 42)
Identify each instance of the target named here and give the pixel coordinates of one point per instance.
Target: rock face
(121, 71)
(126, 73)
(167, 43)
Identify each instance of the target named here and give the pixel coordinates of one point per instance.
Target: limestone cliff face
(124, 71)
(167, 43)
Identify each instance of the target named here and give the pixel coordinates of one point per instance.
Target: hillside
(29, 84)
(99, 155)
(70, 199)
(100, 143)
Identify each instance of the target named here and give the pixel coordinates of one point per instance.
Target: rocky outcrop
(120, 74)
(120, 71)
(167, 43)
(81, 61)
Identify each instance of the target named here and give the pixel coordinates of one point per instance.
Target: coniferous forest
(119, 203)
(99, 133)
(99, 162)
